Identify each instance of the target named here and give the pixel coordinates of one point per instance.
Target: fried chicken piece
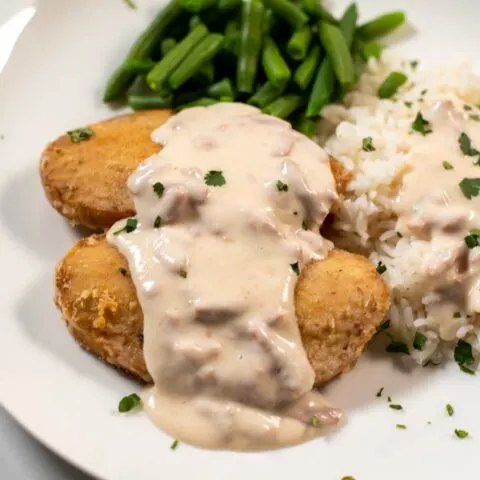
(86, 181)
(98, 301)
(340, 302)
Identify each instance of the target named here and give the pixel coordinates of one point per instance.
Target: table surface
(23, 458)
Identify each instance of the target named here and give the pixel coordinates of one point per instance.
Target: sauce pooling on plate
(440, 203)
(227, 215)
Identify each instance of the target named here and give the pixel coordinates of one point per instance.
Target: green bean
(284, 106)
(315, 9)
(322, 89)
(307, 126)
(196, 6)
(149, 101)
(167, 45)
(121, 79)
(228, 5)
(158, 76)
(348, 23)
(250, 44)
(391, 84)
(268, 21)
(201, 102)
(223, 88)
(232, 37)
(299, 42)
(266, 94)
(139, 66)
(206, 74)
(307, 69)
(372, 49)
(337, 49)
(202, 53)
(275, 67)
(288, 11)
(381, 26)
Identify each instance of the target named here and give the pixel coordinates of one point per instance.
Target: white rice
(365, 221)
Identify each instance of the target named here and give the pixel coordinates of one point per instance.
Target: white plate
(66, 398)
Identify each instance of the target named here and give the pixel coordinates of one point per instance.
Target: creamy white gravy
(432, 206)
(216, 278)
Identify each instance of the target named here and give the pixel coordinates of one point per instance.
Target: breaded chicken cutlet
(86, 181)
(339, 302)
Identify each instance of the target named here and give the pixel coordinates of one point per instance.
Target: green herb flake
(463, 354)
(447, 165)
(396, 346)
(123, 271)
(183, 273)
(381, 268)
(379, 393)
(314, 421)
(367, 144)
(475, 117)
(414, 64)
(158, 188)
(130, 4)
(395, 406)
(158, 222)
(348, 477)
(424, 91)
(294, 267)
(129, 402)
(282, 187)
(461, 433)
(419, 341)
(421, 125)
(389, 399)
(408, 104)
(470, 187)
(304, 225)
(129, 227)
(467, 370)
(401, 426)
(214, 178)
(471, 240)
(449, 409)
(465, 144)
(80, 134)
(457, 315)
(467, 108)
(174, 445)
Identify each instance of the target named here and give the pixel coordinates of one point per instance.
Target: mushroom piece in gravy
(228, 213)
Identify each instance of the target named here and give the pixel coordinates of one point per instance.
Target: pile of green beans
(289, 58)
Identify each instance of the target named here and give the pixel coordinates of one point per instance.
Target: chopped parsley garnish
(174, 445)
(471, 240)
(314, 421)
(475, 117)
(470, 187)
(80, 134)
(367, 144)
(419, 341)
(304, 225)
(282, 187)
(183, 273)
(467, 370)
(129, 402)
(461, 433)
(158, 222)
(389, 399)
(424, 91)
(348, 477)
(214, 178)
(421, 125)
(449, 409)
(467, 108)
(294, 267)
(123, 271)
(447, 165)
(381, 268)
(379, 393)
(129, 227)
(396, 346)
(463, 353)
(158, 188)
(408, 104)
(457, 315)
(465, 144)
(401, 426)
(414, 64)
(383, 326)
(130, 4)
(396, 406)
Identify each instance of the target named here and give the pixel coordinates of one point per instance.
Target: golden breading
(339, 301)
(341, 175)
(98, 301)
(86, 181)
